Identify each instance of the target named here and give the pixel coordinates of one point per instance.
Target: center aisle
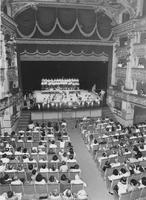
(96, 187)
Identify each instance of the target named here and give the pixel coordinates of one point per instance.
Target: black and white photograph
(72, 99)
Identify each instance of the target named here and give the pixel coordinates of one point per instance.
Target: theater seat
(125, 196)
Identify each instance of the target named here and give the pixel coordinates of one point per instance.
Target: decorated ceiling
(62, 26)
(78, 19)
(114, 7)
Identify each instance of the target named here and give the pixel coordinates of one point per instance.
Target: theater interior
(73, 100)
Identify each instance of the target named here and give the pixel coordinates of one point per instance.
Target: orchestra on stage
(57, 94)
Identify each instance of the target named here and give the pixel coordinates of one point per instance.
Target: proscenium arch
(23, 8)
(27, 5)
(87, 72)
(104, 57)
(36, 55)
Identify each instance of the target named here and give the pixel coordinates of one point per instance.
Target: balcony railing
(135, 99)
(139, 74)
(140, 50)
(4, 103)
(140, 24)
(122, 52)
(8, 101)
(121, 73)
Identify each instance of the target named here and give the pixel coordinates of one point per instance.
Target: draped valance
(64, 52)
(45, 21)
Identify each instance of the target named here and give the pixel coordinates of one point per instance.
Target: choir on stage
(61, 94)
(60, 84)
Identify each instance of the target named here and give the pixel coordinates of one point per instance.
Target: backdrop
(89, 73)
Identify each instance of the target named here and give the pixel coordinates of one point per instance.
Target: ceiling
(113, 8)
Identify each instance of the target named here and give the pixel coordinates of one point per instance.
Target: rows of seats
(39, 161)
(120, 154)
(39, 189)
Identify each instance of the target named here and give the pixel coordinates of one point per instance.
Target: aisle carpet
(96, 187)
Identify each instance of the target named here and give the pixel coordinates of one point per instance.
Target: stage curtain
(46, 18)
(104, 26)
(26, 21)
(77, 49)
(66, 18)
(70, 23)
(87, 20)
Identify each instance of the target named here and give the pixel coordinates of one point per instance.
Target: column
(130, 64)
(114, 61)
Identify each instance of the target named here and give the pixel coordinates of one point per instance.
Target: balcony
(140, 24)
(140, 50)
(121, 73)
(134, 99)
(4, 103)
(9, 101)
(139, 74)
(128, 26)
(122, 52)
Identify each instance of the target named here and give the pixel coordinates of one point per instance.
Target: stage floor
(65, 114)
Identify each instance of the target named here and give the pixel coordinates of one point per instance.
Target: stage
(65, 114)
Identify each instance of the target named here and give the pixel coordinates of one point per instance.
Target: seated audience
(55, 195)
(82, 195)
(67, 195)
(40, 179)
(63, 167)
(78, 181)
(133, 185)
(52, 179)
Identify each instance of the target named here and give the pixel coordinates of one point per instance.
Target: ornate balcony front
(139, 74)
(8, 101)
(122, 52)
(134, 99)
(140, 50)
(140, 24)
(124, 28)
(121, 73)
(4, 103)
